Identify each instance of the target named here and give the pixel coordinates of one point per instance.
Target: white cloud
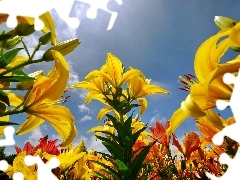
(67, 33)
(154, 118)
(73, 78)
(86, 118)
(83, 108)
(83, 94)
(157, 117)
(36, 134)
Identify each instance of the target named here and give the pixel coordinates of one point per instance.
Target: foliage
(133, 153)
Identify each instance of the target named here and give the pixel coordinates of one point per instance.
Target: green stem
(25, 47)
(35, 50)
(21, 65)
(11, 112)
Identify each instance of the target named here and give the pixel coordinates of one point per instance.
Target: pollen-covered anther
(188, 81)
(65, 99)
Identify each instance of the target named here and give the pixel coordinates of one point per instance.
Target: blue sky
(159, 37)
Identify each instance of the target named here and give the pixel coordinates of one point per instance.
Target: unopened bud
(29, 84)
(45, 38)
(11, 43)
(224, 22)
(64, 48)
(23, 29)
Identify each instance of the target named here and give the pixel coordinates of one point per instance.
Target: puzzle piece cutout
(103, 5)
(231, 130)
(8, 133)
(4, 167)
(233, 167)
(44, 170)
(35, 8)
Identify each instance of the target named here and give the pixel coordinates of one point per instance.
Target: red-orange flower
(160, 133)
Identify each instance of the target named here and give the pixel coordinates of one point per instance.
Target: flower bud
(23, 29)
(45, 38)
(224, 22)
(64, 48)
(11, 43)
(29, 84)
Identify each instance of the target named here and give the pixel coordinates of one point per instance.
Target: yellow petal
(214, 119)
(87, 85)
(92, 95)
(96, 128)
(130, 74)
(6, 119)
(103, 111)
(17, 60)
(230, 67)
(190, 107)
(143, 104)
(198, 95)
(71, 136)
(152, 89)
(79, 148)
(234, 36)
(114, 68)
(177, 118)
(49, 23)
(59, 117)
(30, 124)
(207, 56)
(14, 99)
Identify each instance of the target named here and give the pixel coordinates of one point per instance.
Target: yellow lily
(113, 72)
(40, 105)
(139, 86)
(46, 18)
(67, 158)
(29, 173)
(206, 61)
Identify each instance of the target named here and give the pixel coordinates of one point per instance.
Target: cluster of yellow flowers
(130, 146)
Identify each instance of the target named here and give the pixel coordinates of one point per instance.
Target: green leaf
(137, 134)
(123, 168)
(113, 149)
(127, 150)
(118, 126)
(114, 137)
(138, 161)
(16, 78)
(102, 175)
(4, 123)
(19, 72)
(8, 57)
(4, 98)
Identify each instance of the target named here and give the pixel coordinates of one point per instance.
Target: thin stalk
(11, 112)
(35, 50)
(21, 65)
(25, 47)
